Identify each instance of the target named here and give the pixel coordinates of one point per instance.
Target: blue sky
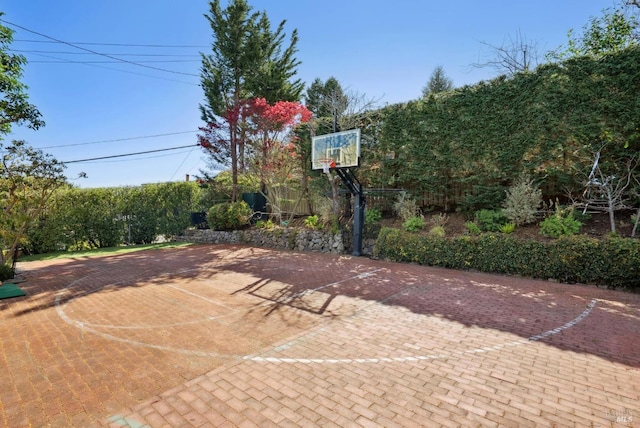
(384, 50)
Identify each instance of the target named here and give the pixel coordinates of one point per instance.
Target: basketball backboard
(340, 149)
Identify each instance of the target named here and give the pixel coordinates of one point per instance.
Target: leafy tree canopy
(612, 32)
(28, 178)
(14, 105)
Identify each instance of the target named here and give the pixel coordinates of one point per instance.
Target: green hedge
(612, 262)
(466, 146)
(105, 217)
(229, 215)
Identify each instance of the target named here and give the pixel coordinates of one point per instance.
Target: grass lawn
(101, 251)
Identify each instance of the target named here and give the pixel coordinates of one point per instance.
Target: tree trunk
(306, 194)
(610, 208)
(635, 224)
(335, 206)
(234, 163)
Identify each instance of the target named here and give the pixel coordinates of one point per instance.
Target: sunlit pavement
(239, 336)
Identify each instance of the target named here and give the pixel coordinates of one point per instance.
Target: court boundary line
(88, 327)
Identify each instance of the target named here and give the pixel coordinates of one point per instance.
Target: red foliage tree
(271, 126)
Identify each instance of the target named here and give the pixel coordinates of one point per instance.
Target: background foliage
(105, 217)
(547, 124)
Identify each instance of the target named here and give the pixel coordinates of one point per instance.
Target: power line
(120, 139)
(182, 163)
(98, 53)
(115, 44)
(113, 54)
(138, 159)
(130, 154)
(64, 60)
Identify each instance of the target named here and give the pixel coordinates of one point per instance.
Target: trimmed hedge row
(612, 262)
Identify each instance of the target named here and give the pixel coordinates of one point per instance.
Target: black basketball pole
(355, 187)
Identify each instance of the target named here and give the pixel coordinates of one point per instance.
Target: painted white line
(541, 336)
(206, 299)
(313, 290)
(60, 307)
(85, 326)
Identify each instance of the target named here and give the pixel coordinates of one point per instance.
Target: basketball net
(327, 164)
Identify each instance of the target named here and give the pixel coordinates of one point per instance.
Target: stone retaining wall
(279, 238)
(297, 239)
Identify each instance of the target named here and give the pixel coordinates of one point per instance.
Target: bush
(507, 228)
(406, 208)
(561, 223)
(229, 215)
(6, 272)
(612, 262)
(437, 232)
(313, 222)
(472, 228)
(491, 220)
(439, 220)
(372, 216)
(523, 200)
(268, 225)
(413, 224)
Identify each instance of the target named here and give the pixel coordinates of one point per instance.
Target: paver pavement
(219, 335)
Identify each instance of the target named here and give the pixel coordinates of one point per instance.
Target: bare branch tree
(608, 192)
(351, 110)
(517, 54)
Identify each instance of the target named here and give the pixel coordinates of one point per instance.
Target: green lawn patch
(101, 251)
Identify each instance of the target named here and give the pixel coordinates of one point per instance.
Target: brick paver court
(210, 336)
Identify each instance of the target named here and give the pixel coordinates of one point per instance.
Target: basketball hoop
(327, 164)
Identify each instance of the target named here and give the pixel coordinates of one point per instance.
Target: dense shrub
(437, 232)
(523, 200)
(613, 262)
(406, 208)
(561, 223)
(372, 216)
(491, 220)
(313, 222)
(104, 217)
(6, 272)
(413, 224)
(508, 228)
(472, 228)
(229, 215)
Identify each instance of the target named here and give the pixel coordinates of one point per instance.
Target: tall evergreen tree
(325, 99)
(247, 60)
(438, 82)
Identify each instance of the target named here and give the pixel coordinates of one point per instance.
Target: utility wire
(182, 163)
(63, 61)
(120, 139)
(116, 69)
(130, 154)
(114, 44)
(98, 53)
(112, 54)
(137, 159)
